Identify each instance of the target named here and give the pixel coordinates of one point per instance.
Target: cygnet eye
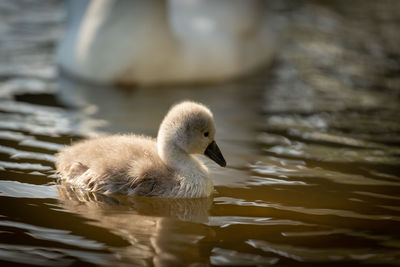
(206, 134)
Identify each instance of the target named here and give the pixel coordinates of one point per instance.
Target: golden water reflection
(151, 226)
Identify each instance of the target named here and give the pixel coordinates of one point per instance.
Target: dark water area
(312, 145)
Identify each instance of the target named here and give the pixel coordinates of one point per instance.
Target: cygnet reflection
(149, 225)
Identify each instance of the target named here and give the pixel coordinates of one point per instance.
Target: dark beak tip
(215, 154)
(222, 163)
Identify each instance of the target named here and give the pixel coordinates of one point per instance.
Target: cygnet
(144, 166)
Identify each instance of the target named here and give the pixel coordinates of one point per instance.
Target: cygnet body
(144, 166)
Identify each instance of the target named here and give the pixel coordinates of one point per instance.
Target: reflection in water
(150, 225)
(192, 210)
(312, 147)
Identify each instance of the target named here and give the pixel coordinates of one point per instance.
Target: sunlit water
(312, 145)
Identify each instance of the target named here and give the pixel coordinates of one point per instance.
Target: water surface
(312, 145)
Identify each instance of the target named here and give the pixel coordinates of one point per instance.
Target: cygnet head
(188, 127)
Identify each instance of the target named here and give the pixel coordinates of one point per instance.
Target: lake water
(312, 145)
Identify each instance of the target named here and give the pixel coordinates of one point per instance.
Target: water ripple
(332, 154)
(13, 136)
(24, 166)
(305, 210)
(41, 144)
(18, 154)
(47, 256)
(305, 254)
(225, 221)
(50, 234)
(230, 257)
(297, 169)
(23, 190)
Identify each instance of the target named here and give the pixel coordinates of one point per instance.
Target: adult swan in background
(142, 166)
(157, 41)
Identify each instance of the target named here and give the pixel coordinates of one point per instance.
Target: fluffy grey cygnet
(144, 166)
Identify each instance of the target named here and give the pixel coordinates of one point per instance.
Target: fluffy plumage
(144, 166)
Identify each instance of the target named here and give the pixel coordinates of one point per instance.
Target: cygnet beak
(213, 152)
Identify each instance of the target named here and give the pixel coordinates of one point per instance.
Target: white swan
(157, 41)
(139, 165)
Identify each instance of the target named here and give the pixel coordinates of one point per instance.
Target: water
(312, 145)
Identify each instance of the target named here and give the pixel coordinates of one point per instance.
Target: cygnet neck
(178, 159)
